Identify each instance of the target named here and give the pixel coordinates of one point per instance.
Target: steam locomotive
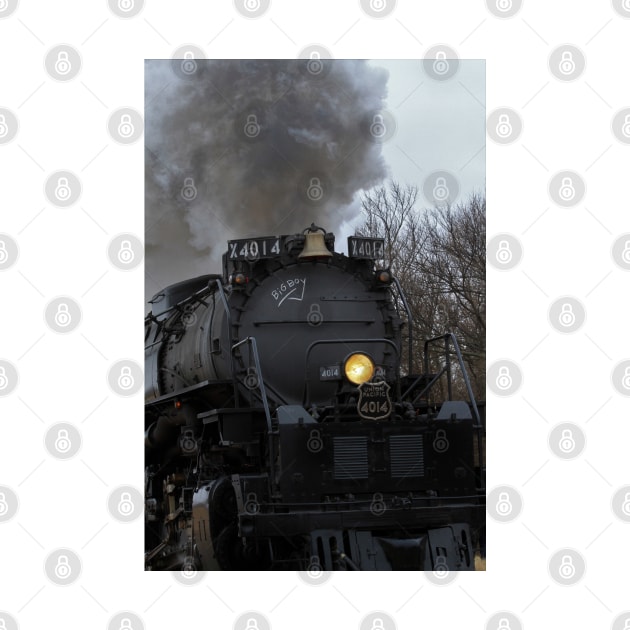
(283, 431)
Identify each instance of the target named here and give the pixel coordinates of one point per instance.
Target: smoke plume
(252, 148)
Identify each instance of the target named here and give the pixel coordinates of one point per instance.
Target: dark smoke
(268, 146)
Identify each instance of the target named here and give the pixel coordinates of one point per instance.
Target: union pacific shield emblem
(374, 402)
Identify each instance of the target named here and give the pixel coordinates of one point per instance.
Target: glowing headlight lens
(358, 368)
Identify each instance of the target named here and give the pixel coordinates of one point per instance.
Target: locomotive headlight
(358, 368)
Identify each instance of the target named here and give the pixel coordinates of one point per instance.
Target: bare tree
(438, 255)
(388, 212)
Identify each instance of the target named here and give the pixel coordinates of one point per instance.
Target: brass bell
(314, 244)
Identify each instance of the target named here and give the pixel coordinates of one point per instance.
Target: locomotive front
(280, 431)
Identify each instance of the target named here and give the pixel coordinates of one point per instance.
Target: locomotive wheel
(233, 556)
(229, 550)
(224, 500)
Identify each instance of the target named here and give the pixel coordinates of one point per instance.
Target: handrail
(251, 341)
(450, 337)
(427, 387)
(403, 299)
(197, 296)
(189, 298)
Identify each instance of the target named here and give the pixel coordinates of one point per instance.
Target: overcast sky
(440, 124)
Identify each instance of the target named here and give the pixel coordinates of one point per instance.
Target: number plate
(329, 372)
(370, 248)
(374, 401)
(252, 249)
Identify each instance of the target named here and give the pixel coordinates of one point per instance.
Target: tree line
(438, 255)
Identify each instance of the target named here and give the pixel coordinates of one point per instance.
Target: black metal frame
(449, 338)
(253, 354)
